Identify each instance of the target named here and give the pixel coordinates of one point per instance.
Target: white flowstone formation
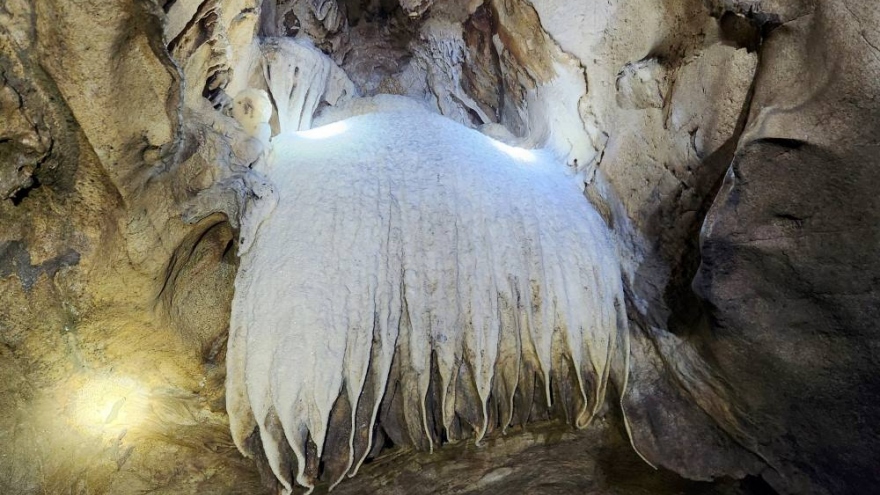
(252, 109)
(423, 276)
(300, 77)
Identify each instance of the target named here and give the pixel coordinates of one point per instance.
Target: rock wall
(789, 265)
(730, 145)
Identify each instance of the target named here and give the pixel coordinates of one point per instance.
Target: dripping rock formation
(713, 168)
(407, 256)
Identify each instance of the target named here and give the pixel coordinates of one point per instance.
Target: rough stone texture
(23, 145)
(790, 264)
(594, 463)
(734, 141)
(127, 128)
(111, 322)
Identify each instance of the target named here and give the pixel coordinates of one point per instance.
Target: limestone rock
(23, 147)
(301, 78)
(641, 85)
(789, 261)
(415, 8)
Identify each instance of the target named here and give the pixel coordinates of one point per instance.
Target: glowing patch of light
(515, 152)
(325, 131)
(109, 405)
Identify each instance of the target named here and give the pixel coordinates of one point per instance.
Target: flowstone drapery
(421, 282)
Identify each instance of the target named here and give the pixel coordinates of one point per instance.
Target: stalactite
(422, 277)
(299, 78)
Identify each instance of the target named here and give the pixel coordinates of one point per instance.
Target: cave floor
(543, 459)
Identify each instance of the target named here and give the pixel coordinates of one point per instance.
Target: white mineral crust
(406, 238)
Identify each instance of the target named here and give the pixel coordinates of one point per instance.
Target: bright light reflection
(326, 131)
(110, 404)
(515, 152)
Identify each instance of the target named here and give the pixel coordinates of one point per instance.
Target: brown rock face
(732, 145)
(789, 254)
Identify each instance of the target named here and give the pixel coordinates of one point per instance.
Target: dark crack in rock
(15, 260)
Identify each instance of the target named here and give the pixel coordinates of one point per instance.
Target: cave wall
(730, 144)
(107, 388)
(789, 246)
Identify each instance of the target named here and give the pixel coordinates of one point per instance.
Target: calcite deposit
(417, 266)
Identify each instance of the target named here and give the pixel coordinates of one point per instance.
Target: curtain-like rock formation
(416, 263)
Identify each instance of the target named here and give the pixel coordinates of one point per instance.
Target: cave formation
(405, 255)
(417, 246)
